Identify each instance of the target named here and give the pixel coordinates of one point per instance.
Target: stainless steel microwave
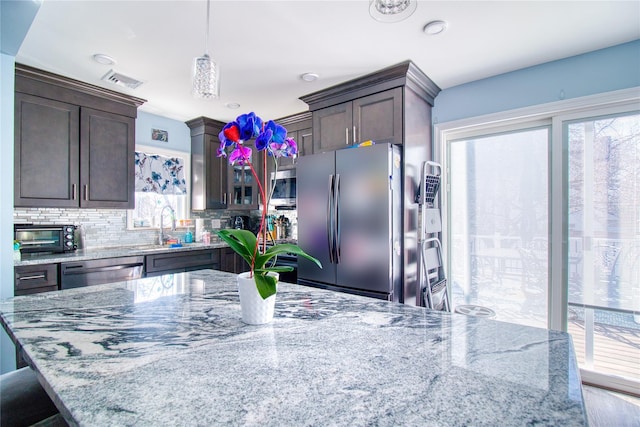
(284, 193)
(45, 237)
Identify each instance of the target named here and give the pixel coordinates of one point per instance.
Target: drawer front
(30, 278)
(209, 258)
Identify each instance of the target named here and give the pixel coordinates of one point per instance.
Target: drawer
(186, 260)
(31, 279)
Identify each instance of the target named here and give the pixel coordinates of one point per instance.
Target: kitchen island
(172, 350)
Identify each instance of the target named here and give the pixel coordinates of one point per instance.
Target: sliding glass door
(543, 227)
(499, 224)
(604, 244)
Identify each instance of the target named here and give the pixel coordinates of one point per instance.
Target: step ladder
(432, 283)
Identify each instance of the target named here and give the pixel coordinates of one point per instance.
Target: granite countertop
(172, 350)
(98, 253)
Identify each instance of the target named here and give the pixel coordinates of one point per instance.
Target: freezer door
(315, 177)
(366, 216)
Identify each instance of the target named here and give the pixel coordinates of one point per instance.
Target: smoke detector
(121, 80)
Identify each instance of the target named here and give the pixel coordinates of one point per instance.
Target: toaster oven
(45, 237)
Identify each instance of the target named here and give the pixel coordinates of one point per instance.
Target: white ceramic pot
(255, 310)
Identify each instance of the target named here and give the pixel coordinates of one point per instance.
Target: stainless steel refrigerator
(350, 218)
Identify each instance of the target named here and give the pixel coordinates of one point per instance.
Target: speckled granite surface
(172, 350)
(98, 253)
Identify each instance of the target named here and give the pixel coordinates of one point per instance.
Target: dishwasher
(99, 271)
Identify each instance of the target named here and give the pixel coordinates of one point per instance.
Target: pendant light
(206, 73)
(392, 10)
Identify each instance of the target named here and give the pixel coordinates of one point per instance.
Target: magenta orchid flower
(288, 148)
(292, 147)
(240, 155)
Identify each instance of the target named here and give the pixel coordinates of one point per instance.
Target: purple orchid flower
(240, 155)
(221, 152)
(292, 147)
(288, 148)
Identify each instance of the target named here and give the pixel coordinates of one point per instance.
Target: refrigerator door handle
(330, 230)
(337, 218)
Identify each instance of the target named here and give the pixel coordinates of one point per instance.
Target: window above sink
(154, 168)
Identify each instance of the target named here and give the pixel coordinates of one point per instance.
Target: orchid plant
(271, 139)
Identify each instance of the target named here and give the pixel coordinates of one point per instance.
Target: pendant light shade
(206, 73)
(206, 78)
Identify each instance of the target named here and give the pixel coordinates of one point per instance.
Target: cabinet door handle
(38, 276)
(86, 192)
(224, 198)
(346, 136)
(355, 140)
(73, 191)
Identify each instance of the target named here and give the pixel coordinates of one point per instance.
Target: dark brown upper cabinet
(299, 127)
(208, 173)
(244, 193)
(74, 143)
(215, 184)
(376, 117)
(377, 107)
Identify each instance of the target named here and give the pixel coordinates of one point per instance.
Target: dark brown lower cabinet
(33, 279)
(231, 262)
(179, 262)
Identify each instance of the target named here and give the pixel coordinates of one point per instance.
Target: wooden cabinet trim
(402, 74)
(49, 85)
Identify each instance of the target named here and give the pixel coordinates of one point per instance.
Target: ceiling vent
(121, 80)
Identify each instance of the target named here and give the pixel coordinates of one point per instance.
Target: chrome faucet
(163, 238)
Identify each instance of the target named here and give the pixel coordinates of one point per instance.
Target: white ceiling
(264, 46)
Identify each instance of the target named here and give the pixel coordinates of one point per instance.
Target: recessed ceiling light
(103, 59)
(435, 27)
(309, 77)
(232, 105)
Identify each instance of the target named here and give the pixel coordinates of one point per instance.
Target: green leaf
(241, 241)
(276, 269)
(244, 243)
(282, 248)
(266, 285)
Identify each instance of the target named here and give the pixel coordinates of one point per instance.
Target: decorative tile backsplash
(107, 228)
(103, 228)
